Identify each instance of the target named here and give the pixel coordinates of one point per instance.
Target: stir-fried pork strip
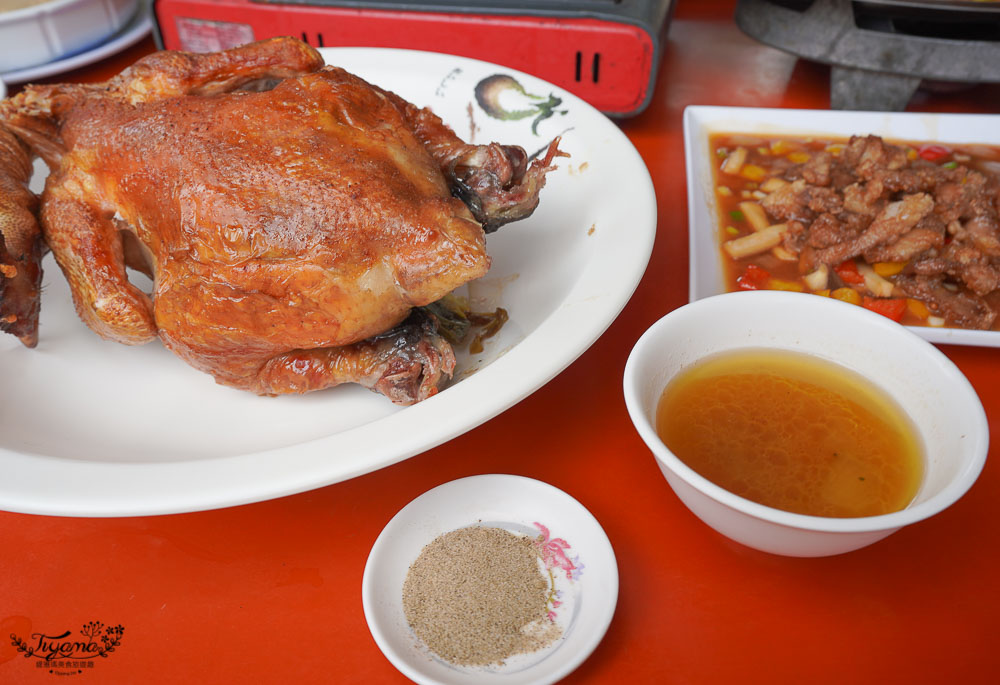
(874, 202)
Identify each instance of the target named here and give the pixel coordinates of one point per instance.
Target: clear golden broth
(792, 432)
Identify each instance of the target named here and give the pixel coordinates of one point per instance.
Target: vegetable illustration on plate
(492, 89)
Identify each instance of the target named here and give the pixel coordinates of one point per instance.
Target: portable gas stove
(605, 51)
(880, 51)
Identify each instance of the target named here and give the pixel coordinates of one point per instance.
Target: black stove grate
(880, 51)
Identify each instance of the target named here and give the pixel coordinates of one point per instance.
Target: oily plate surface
(94, 428)
(706, 275)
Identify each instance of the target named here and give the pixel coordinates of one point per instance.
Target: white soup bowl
(942, 405)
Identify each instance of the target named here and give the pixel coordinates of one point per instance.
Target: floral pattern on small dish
(553, 553)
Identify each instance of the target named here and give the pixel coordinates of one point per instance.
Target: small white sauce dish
(943, 406)
(576, 553)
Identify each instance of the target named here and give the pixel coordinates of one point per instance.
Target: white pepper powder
(475, 596)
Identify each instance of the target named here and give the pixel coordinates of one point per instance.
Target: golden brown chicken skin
(289, 231)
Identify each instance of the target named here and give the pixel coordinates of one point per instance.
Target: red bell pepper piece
(848, 272)
(892, 307)
(753, 278)
(933, 153)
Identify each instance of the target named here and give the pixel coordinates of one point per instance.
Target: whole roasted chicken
(292, 217)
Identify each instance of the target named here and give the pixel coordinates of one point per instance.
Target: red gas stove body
(604, 51)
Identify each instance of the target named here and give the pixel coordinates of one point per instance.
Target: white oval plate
(587, 578)
(94, 428)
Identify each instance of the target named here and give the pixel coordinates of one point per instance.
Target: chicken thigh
(291, 216)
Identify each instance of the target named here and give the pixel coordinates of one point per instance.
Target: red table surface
(271, 592)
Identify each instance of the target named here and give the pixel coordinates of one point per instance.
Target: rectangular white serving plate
(706, 274)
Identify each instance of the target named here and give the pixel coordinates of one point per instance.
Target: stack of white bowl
(35, 32)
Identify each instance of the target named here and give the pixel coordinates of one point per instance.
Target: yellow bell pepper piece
(888, 268)
(917, 308)
(799, 157)
(781, 284)
(849, 295)
(753, 172)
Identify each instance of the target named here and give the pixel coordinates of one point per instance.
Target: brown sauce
(792, 432)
